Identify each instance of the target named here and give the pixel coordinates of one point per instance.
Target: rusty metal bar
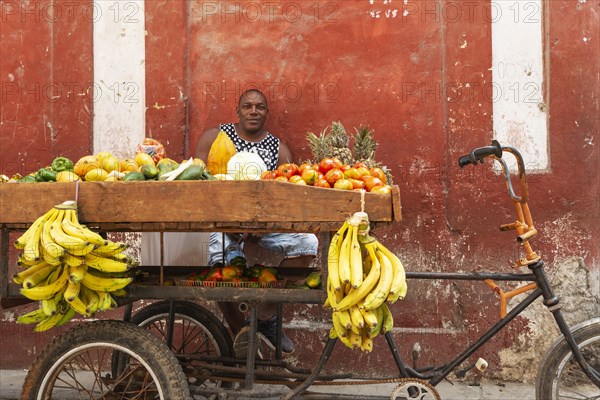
(251, 353)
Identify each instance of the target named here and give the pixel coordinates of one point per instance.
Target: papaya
(192, 173)
(149, 171)
(221, 150)
(313, 280)
(134, 176)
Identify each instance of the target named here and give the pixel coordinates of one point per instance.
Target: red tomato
(362, 171)
(287, 170)
(343, 184)
(321, 182)
(378, 172)
(281, 179)
(268, 175)
(333, 175)
(357, 184)
(303, 167)
(371, 182)
(326, 165)
(345, 167)
(360, 164)
(310, 176)
(337, 163)
(296, 179)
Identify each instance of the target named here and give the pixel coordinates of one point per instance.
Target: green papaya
(149, 171)
(192, 173)
(134, 176)
(166, 165)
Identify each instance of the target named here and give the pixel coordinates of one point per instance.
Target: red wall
(323, 61)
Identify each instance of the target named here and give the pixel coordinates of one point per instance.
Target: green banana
(32, 317)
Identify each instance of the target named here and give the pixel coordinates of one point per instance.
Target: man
(249, 134)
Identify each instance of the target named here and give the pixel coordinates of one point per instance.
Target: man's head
(252, 110)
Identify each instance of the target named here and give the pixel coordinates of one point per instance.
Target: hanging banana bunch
(68, 268)
(363, 277)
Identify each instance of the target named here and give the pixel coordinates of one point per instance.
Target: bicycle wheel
(196, 332)
(78, 364)
(560, 377)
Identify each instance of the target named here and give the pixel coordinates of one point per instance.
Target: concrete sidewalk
(11, 382)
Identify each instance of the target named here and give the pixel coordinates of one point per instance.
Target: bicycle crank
(417, 389)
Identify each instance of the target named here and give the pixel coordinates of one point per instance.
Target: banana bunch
(68, 268)
(363, 277)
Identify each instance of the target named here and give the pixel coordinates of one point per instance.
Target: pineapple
(319, 145)
(339, 143)
(365, 146)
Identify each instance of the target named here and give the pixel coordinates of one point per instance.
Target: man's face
(252, 111)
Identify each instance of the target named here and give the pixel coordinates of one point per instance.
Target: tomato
(268, 175)
(357, 183)
(344, 184)
(360, 164)
(326, 164)
(321, 182)
(382, 189)
(281, 179)
(304, 167)
(333, 175)
(337, 163)
(352, 173)
(310, 176)
(371, 182)
(297, 179)
(362, 171)
(345, 167)
(287, 170)
(378, 172)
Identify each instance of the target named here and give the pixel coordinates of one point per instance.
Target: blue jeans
(287, 245)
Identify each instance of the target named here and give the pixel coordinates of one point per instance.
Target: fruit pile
(149, 163)
(331, 173)
(363, 275)
(236, 274)
(68, 268)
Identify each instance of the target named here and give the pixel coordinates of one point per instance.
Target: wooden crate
(197, 205)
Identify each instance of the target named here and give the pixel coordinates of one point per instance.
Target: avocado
(134, 176)
(192, 173)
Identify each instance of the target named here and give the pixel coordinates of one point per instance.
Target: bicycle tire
(559, 375)
(79, 363)
(209, 335)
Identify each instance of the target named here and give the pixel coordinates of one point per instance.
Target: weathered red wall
(323, 61)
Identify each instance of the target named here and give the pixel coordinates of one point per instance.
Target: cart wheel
(77, 364)
(559, 375)
(197, 332)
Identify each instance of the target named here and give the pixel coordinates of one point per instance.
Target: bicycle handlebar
(480, 153)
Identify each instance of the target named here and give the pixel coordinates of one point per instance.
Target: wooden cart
(224, 206)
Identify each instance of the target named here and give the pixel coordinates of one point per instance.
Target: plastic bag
(152, 147)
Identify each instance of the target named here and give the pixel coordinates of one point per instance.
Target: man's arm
(203, 145)
(285, 155)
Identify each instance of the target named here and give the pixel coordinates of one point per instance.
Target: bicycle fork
(552, 302)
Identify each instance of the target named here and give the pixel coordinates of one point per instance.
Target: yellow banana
(76, 274)
(32, 317)
(388, 319)
(104, 301)
(23, 263)
(38, 276)
(356, 317)
(369, 316)
(355, 339)
(49, 306)
(366, 344)
(341, 330)
(110, 249)
(29, 234)
(48, 323)
(72, 228)
(368, 284)
(84, 251)
(374, 331)
(41, 292)
(400, 294)
(78, 305)
(345, 319)
(121, 257)
(346, 340)
(356, 264)
(72, 290)
(333, 257)
(399, 278)
(382, 290)
(59, 236)
(73, 261)
(51, 249)
(344, 259)
(119, 293)
(31, 250)
(333, 333)
(20, 276)
(92, 300)
(106, 264)
(104, 284)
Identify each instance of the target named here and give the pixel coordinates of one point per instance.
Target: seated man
(297, 249)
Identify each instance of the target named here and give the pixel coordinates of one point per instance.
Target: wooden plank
(221, 203)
